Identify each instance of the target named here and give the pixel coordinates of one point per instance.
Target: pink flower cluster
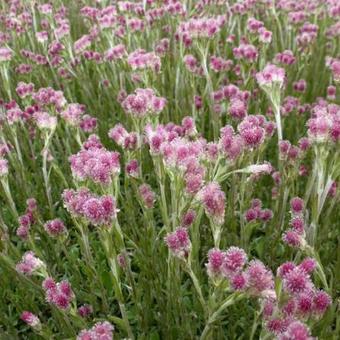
(255, 212)
(101, 330)
(29, 264)
(59, 294)
(271, 75)
(95, 163)
(302, 301)
(255, 278)
(213, 199)
(127, 140)
(324, 124)
(55, 228)
(143, 102)
(147, 195)
(48, 96)
(30, 319)
(23, 89)
(247, 52)
(142, 60)
(97, 210)
(27, 220)
(295, 235)
(204, 27)
(178, 242)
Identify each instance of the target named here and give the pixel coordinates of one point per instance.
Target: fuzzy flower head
(59, 294)
(296, 331)
(213, 200)
(234, 260)
(30, 319)
(142, 103)
(29, 264)
(178, 242)
(215, 261)
(259, 278)
(271, 76)
(100, 331)
(96, 164)
(97, 210)
(55, 227)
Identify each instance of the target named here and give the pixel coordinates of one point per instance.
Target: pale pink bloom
(29, 264)
(178, 242)
(213, 200)
(55, 227)
(271, 75)
(31, 319)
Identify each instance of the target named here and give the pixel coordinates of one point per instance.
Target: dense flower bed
(169, 169)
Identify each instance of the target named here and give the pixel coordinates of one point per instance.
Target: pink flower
(238, 281)
(271, 75)
(147, 195)
(213, 200)
(297, 205)
(292, 238)
(215, 261)
(85, 310)
(296, 281)
(59, 294)
(100, 331)
(321, 302)
(188, 218)
(296, 331)
(142, 103)
(234, 260)
(259, 278)
(55, 227)
(98, 210)
(178, 242)
(5, 54)
(31, 319)
(29, 264)
(96, 164)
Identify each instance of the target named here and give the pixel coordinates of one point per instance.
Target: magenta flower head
(55, 227)
(132, 168)
(142, 103)
(29, 264)
(101, 330)
(297, 281)
(271, 76)
(297, 205)
(296, 331)
(30, 319)
(259, 278)
(98, 210)
(234, 260)
(216, 259)
(96, 164)
(285, 268)
(321, 302)
(147, 195)
(59, 294)
(238, 281)
(178, 242)
(213, 200)
(308, 265)
(293, 239)
(188, 218)
(85, 310)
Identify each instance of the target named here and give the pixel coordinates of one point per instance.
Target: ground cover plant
(169, 169)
